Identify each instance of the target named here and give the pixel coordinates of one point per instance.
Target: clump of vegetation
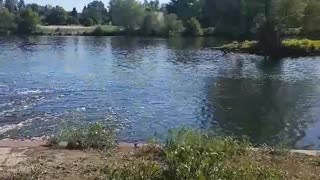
(94, 136)
(193, 27)
(104, 31)
(190, 154)
(305, 44)
(173, 26)
(235, 45)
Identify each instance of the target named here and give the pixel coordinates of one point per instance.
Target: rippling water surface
(143, 87)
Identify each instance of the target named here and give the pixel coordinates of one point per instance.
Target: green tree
(28, 21)
(311, 19)
(225, 16)
(11, 5)
(1, 4)
(57, 16)
(21, 5)
(127, 13)
(87, 22)
(34, 7)
(153, 23)
(7, 23)
(289, 13)
(186, 9)
(74, 13)
(173, 26)
(95, 11)
(152, 5)
(193, 27)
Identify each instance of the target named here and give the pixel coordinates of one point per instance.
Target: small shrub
(98, 31)
(95, 136)
(87, 22)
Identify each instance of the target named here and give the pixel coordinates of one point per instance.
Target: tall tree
(11, 5)
(186, 9)
(1, 4)
(57, 16)
(225, 15)
(28, 21)
(7, 22)
(152, 5)
(289, 13)
(311, 19)
(126, 13)
(153, 23)
(96, 11)
(21, 5)
(74, 13)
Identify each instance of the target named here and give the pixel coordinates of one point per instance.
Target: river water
(143, 87)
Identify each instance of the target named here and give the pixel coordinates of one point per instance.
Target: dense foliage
(232, 18)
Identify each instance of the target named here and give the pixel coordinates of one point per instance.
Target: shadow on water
(265, 108)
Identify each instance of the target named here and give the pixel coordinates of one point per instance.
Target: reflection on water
(143, 87)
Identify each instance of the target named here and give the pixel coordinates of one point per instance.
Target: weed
(190, 154)
(95, 136)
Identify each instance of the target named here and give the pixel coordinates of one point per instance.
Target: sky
(69, 4)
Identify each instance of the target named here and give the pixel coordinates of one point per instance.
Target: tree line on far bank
(231, 18)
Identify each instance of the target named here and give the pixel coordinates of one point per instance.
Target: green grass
(94, 136)
(193, 155)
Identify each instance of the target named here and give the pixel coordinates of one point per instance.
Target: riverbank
(187, 154)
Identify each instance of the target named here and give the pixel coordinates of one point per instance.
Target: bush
(173, 26)
(190, 154)
(304, 44)
(7, 23)
(72, 20)
(28, 21)
(87, 22)
(98, 31)
(193, 27)
(95, 136)
(152, 24)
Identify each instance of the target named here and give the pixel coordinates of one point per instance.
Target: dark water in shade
(144, 87)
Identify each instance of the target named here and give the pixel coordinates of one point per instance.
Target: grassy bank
(186, 155)
(78, 30)
(289, 47)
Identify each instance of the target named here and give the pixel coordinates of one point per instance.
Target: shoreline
(121, 146)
